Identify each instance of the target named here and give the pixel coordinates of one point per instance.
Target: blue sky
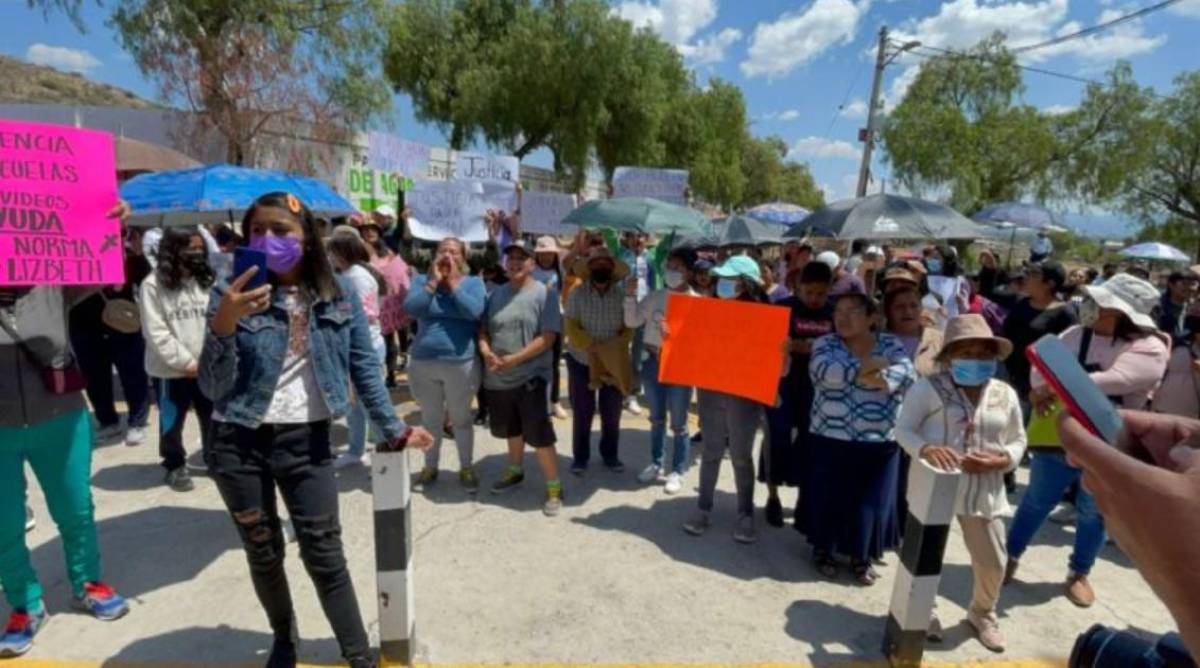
(797, 61)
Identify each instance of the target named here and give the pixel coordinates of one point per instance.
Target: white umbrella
(1154, 250)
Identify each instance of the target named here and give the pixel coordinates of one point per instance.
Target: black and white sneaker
(179, 480)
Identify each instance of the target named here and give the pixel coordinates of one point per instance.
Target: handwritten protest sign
(389, 153)
(443, 209)
(499, 195)
(542, 213)
(56, 185)
(487, 167)
(724, 345)
(668, 185)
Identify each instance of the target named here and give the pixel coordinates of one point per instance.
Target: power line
(1095, 29)
(845, 98)
(991, 59)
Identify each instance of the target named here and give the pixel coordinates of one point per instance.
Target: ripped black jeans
(247, 465)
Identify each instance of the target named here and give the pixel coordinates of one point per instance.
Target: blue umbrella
(220, 193)
(780, 213)
(1018, 214)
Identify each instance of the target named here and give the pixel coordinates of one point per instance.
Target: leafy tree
(797, 186)
(1149, 162)
(769, 178)
(250, 67)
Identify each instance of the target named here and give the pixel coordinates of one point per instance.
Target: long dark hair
(353, 251)
(315, 272)
(170, 270)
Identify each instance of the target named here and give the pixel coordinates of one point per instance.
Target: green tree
(1148, 162)
(797, 186)
(769, 178)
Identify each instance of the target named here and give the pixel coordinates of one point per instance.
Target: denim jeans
(663, 400)
(175, 397)
(247, 465)
(59, 451)
(637, 355)
(356, 419)
(1049, 476)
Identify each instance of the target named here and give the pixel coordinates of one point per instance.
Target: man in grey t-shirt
(516, 340)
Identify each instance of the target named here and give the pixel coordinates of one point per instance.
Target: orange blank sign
(724, 345)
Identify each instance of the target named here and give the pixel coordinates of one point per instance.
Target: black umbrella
(745, 231)
(888, 217)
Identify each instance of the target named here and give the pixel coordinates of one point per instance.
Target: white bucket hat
(829, 258)
(1129, 295)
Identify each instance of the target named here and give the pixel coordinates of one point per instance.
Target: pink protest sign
(56, 185)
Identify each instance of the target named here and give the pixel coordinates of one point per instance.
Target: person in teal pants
(44, 422)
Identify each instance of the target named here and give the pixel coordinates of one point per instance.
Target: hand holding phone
(243, 259)
(1067, 378)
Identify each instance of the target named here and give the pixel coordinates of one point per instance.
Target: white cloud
(61, 57)
(710, 49)
(856, 108)
(678, 22)
(787, 115)
(796, 38)
(1059, 109)
(819, 147)
(1186, 8)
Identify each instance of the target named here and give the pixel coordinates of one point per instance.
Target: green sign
(370, 188)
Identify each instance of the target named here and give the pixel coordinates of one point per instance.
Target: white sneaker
(110, 432)
(346, 459)
(559, 412)
(632, 406)
(674, 483)
(135, 436)
(651, 474)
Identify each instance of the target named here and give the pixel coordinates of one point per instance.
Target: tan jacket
(925, 359)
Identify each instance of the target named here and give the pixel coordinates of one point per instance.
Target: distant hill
(26, 83)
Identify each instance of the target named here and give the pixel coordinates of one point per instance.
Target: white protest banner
(542, 213)
(443, 209)
(498, 195)
(487, 167)
(668, 185)
(389, 153)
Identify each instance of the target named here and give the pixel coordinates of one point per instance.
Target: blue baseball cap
(740, 266)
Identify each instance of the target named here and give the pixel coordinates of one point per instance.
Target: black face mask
(193, 260)
(601, 276)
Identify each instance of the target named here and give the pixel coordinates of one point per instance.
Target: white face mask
(674, 279)
(1089, 312)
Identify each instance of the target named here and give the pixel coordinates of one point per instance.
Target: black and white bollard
(931, 495)
(393, 557)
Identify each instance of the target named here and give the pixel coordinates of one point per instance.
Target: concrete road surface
(614, 580)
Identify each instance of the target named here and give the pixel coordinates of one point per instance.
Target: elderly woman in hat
(729, 421)
(1119, 345)
(962, 418)
(595, 326)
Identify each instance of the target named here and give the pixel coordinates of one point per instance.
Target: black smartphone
(243, 259)
(1082, 398)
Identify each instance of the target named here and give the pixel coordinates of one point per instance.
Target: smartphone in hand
(1081, 396)
(243, 259)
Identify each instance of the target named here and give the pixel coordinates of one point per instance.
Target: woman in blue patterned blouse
(860, 377)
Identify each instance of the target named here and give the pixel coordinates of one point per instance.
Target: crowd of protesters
(890, 362)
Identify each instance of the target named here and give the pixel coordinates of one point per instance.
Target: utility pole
(867, 136)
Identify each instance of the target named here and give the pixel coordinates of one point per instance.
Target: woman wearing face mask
(849, 502)
(445, 371)
(174, 301)
(729, 421)
(548, 270)
(963, 419)
(278, 361)
(1118, 344)
(664, 400)
(350, 260)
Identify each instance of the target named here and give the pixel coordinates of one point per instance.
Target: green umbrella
(639, 214)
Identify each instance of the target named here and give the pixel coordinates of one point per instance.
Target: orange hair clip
(293, 204)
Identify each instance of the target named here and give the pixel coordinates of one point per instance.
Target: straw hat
(972, 327)
(583, 266)
(547, 244)
(899, 275)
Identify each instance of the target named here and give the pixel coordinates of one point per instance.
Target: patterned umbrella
(220, 193)
(780, 213)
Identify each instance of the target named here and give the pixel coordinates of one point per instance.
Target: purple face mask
(283, 253)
